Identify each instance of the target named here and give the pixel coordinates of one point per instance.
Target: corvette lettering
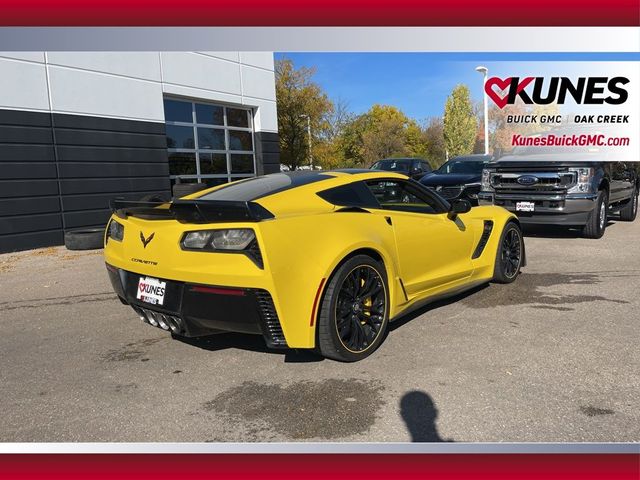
(545, 91)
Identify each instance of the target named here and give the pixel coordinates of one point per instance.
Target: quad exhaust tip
(160, 320)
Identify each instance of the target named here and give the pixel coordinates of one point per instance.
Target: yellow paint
(305, 242)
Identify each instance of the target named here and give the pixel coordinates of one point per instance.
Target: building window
(209, 143)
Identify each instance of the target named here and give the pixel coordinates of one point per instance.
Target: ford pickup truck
(540, 189)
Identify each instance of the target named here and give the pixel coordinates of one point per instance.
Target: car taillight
(234, 239)
(115, 230)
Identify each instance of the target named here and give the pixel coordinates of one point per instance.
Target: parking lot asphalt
(552, 357)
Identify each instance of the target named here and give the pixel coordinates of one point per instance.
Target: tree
(381, 132)
(460, 122)
(297, 95)
(326, 150)
(433, 138)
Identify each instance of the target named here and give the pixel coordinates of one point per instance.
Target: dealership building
(80, 128)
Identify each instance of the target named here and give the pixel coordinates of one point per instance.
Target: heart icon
(141, 287)
(503, 85)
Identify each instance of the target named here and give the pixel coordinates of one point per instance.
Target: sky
(419, 83)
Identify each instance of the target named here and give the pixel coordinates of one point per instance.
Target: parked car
(305, 259)
(415, 168)
(460, 177)
(581, 190)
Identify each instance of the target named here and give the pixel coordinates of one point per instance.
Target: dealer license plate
(525, 206)
(151, 290)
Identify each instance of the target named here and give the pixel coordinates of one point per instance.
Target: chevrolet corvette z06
(320, 260)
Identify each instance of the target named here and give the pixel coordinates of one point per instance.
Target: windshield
(462, 166)
(392, 165)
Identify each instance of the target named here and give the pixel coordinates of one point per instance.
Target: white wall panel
(144, 65)
(81, 92)
(232, 56)
(28, 56)
(258, 83)
(199, 71)
(23, 85)
(257, 59)
(196, 93)
(106, 83)
(266, 118)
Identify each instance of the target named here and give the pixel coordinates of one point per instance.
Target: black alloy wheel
(360, 308)
(510, 254)
(354, 312)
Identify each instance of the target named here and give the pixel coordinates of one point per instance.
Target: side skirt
(442, 296)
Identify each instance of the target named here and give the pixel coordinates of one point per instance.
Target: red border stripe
(320, 13)
(322, 466)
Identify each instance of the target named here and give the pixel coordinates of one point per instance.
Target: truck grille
(271, 323)
(543, 181)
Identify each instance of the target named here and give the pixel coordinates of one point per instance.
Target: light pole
(485, 71)
(308, 133)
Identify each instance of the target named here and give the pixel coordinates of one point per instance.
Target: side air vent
(484, 238)
(271, 324)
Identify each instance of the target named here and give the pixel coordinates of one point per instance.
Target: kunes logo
(544, 91)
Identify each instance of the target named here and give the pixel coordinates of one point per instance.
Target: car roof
(473, 157)
(286, 183)
(400, 159)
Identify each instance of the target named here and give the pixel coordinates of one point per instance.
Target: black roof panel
(258, 187)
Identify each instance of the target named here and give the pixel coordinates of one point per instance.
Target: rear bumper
(549, 209)
(193, 310)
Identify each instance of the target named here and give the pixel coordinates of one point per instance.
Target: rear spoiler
(192, 211)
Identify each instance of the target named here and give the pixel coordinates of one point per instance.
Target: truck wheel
(597, 221)
(630, 210)
(510, 254)
(354, 313)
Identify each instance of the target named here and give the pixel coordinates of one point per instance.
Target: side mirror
(457, 207)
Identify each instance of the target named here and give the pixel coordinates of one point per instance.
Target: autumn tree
(383, 131)
(297, 95)
(460, 122)
(433, 138)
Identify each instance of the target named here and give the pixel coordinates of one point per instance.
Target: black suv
(541, 189)
(412, 167)
(460, 177)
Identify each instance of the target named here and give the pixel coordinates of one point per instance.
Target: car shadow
(405, 318)
(252, 343)
(556, 231)
(419, 414)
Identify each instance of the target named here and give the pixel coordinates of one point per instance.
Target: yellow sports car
(310, 259)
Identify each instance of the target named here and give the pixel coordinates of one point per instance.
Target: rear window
(351, 195)
(258, 187)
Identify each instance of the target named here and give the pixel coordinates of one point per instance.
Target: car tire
(630, 210)
(597, 221)
(510, 254)
(84, 238)
(352, 319)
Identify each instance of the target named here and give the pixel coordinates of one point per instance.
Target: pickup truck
(543, 190)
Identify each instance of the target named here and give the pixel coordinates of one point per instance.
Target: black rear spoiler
(192, 211)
